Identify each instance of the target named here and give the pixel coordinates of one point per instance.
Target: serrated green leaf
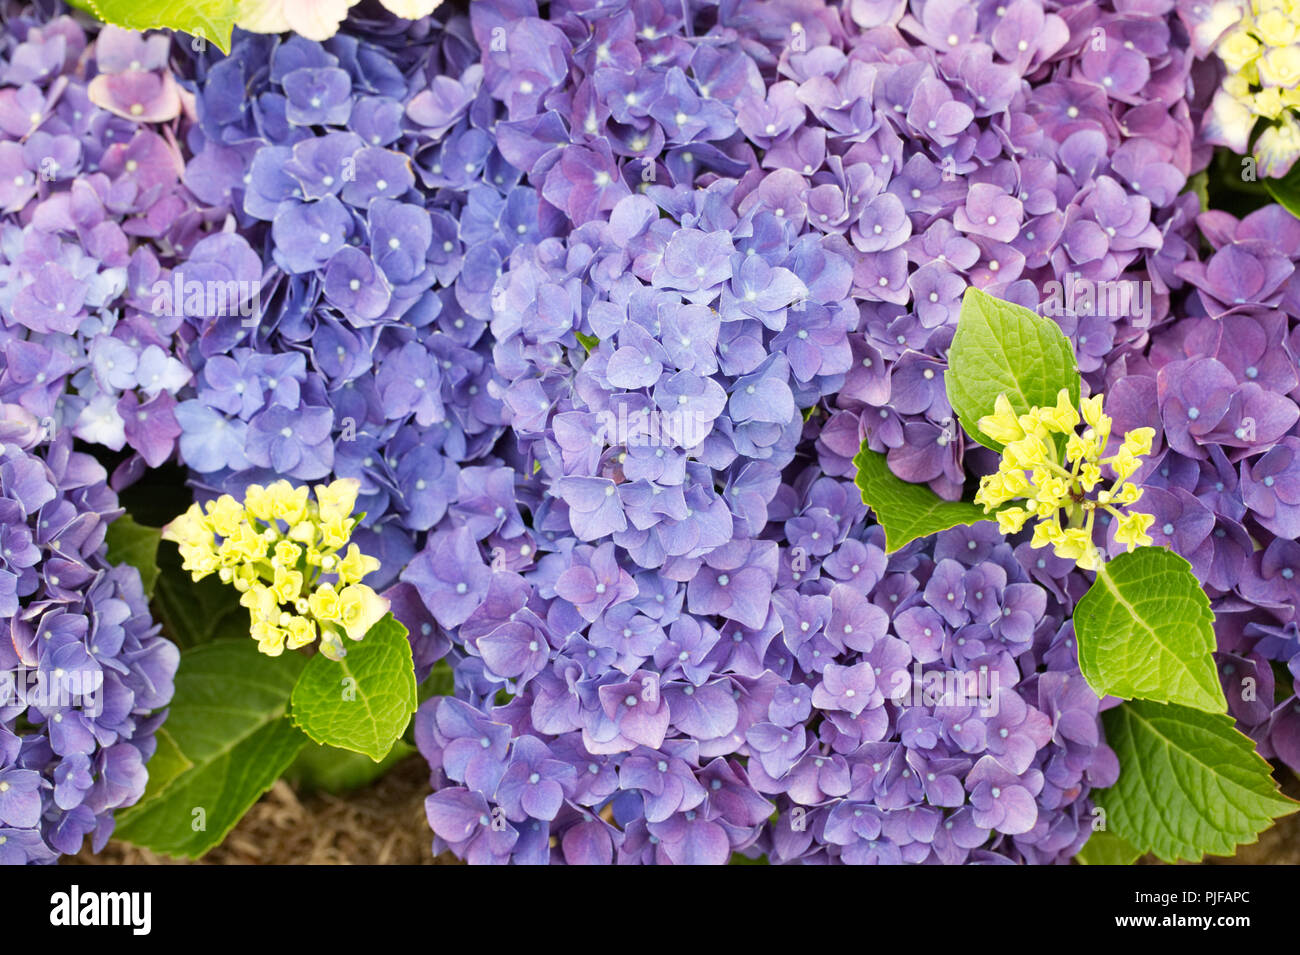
(1004, 349)
(1190, 783)
(137, 545)
(363, 702)
(1146, 631)
(211, 20)
(1106, 848)
(228, 720)
(588, 342)
(907, 511)
(195, 612)
(338, 770)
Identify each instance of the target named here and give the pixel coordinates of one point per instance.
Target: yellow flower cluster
(1060, 492)
(1262, 55)
(281, 551)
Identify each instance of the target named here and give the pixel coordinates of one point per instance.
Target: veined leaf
(1146, 631)
(1106, 848)
(363, 702)
(228, 721)
(137, 545)
(1005, 349)
(907, 511)
(204, 20)
(1190, 783)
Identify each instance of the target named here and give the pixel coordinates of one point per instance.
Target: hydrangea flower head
(97, 228)
(1262, 56)
(281, 551)
(1056, 488)
(84, 674)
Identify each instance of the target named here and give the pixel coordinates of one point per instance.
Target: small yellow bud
(356, 565)
(1092, 411)
(257, 500)
(1280, 66)
(304, 532)
(1089, 476)
(301, 632)
(334, 534)
(288, 585)
(261, 603)
(360, 609)
(1237, 49)
(337, 500)
(1138, 441)
(288, 503)
(1012, 519)
(286, 554)
(226, 515)
(1062, 417)
(1002, 426)
(189, 528)
(1132, 529)
(324, 603)
(1128, 494)
(1045, 533)
(1125, 463)
(270, 638)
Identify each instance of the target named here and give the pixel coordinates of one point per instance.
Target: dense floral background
(491, 258)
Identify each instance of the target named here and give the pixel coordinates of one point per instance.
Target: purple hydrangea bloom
(85, 676)
(102, 242)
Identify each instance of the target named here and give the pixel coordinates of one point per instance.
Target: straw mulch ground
(383, 824)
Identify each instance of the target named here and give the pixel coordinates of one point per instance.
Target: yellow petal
(360, 609)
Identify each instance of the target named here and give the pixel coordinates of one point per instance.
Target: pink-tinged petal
(1228, 122)
(137, 95)
(1277, 148)
(17, 182)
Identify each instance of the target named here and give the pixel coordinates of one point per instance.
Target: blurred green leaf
(136, 545)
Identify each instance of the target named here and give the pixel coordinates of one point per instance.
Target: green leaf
(1146, 631)
(167, 763)
(1189, 784)
(441, 681)
(137, 545)
(338, 770)
(195, 612)
(1106, 848)
(364, 701)
(1286, 190)
(1200, 185)
(227, 721)
(1001, 348)
(588, 342)
(907, 511)
(203, 19)
(156, 500)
